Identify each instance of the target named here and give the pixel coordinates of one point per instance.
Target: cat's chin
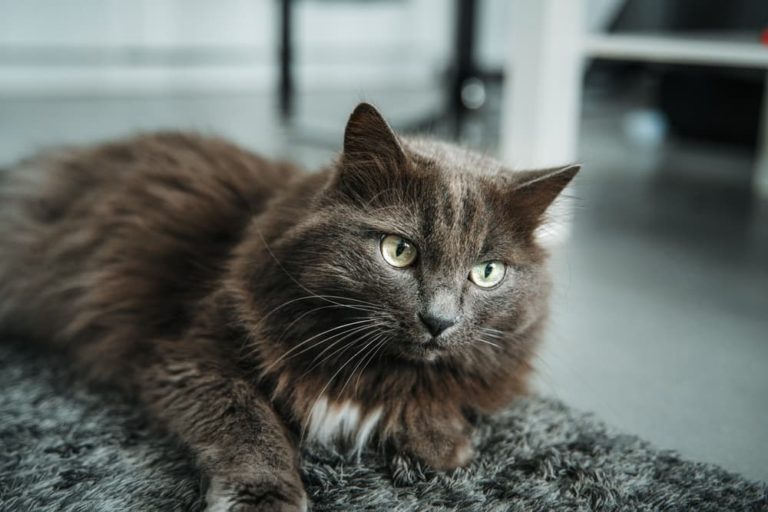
(428, 352)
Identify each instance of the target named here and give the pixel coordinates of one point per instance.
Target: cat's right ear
(372, 156)
(368, 136)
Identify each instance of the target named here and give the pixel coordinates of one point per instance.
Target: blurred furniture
(285, 58)
(542, 95)
(464, 68)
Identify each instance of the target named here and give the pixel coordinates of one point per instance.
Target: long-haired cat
(252, 306)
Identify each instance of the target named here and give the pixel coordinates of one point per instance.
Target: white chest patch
(331, 422)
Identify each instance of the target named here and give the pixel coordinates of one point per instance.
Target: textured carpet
(64, 447)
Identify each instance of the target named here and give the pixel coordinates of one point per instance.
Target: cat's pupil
(400, 248)
(488, 270)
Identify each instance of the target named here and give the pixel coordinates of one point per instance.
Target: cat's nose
(436, 323)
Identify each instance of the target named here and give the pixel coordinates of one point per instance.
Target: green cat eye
(487, 274)
(397, 251)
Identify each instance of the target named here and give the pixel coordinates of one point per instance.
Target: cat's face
(417, 251)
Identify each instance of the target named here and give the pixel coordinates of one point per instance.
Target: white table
(542, 92)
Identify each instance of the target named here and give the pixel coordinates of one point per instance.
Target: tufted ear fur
(530, 193)
(368, 135)
(372, 159)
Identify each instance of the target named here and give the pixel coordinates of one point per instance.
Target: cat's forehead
(452, 161)
(453, 220)
(452, 211)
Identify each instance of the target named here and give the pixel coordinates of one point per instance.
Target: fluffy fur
(68, 449)
(247, 305)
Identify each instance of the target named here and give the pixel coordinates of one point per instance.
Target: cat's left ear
(530, 193)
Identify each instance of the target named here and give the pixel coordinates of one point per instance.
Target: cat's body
(248, 305)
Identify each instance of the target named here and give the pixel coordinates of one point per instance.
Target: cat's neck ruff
(344, 422)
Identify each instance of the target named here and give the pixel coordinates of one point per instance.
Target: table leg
(543, 83)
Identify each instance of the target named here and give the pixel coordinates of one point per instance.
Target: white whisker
(339, 350)
(360, 332)
(375, 339)
(338, 327)
(375, 351)
(320, 394)
(313, 310)
(481, 340)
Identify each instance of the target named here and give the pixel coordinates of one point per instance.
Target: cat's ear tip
(557, 177)
(571, 169)
(565, 173)
(363, 110)
(368, 133)
(364, 106)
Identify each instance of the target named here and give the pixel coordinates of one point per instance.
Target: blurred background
(660, 315)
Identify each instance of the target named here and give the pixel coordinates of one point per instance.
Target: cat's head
(411, 250)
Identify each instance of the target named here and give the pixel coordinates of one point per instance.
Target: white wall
(124, 46)
(116, 23)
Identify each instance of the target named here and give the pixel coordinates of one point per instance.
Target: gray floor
(659, 321)
(660, 318)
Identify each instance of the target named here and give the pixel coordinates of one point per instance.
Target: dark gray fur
(66, 448)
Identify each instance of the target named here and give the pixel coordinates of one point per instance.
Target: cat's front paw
(442, 453)
(415, 457)
(268, 495)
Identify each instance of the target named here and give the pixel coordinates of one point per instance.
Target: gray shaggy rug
(64, 447)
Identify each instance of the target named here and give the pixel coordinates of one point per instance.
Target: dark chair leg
(464, 64)
(285, 85)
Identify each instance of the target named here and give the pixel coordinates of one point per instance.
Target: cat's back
(164, 171)
(131, 225)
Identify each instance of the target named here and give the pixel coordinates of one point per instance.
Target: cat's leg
(433, 435)
(238, 439)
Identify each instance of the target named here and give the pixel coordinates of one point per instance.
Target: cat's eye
(397, 251)
(488, 274)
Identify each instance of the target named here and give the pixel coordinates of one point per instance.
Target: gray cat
(252, 306)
